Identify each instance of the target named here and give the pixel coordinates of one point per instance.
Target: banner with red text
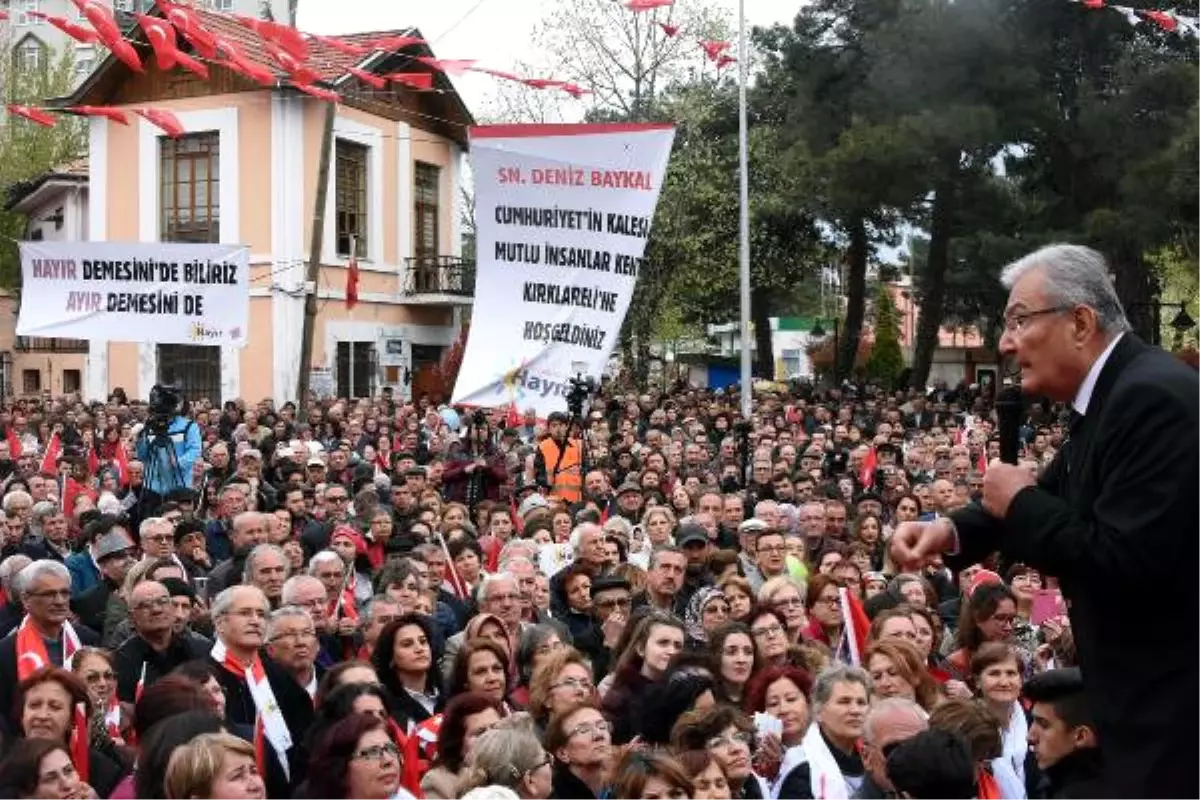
(135, 292)
(562, 216)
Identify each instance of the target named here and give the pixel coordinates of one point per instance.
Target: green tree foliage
(696, 233)
(27, 149)
(886, 361)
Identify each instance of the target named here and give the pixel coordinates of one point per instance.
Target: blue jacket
(161, 475)
(84, 572)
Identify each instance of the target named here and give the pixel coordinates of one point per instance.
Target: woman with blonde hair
(564, 678)
(214, 766)
(659, 525)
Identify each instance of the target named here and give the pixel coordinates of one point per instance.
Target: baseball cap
(534, 501)
(691, 533)
(113, 542)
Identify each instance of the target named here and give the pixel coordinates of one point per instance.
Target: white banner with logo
(135, 292)
(562, 215)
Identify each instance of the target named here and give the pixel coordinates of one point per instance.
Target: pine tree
(886, 361)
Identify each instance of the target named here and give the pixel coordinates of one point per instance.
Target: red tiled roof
(328, 63)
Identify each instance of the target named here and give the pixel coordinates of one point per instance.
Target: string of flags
(1170, 21)
(288, 50)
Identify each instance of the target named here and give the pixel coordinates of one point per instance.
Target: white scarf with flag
(269, 723)
(825, 776)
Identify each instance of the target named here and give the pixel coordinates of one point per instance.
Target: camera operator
(169, 445)
(558, 462)
(477, 470)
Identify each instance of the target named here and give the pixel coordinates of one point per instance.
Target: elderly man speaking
(1114, 516)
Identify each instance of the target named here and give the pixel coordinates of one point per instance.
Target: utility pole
(312, 278)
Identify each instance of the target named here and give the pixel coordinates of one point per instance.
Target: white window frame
(21, 18)
(30, 45)
(371, 138)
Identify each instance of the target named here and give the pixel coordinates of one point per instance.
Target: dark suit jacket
(135, 651)
(297, 710)
(1114, 517)
(8, 670)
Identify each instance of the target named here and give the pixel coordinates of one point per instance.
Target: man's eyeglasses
(51, 594)
(295, 635)
(614, 602)
(1016, 322)
(154, 602)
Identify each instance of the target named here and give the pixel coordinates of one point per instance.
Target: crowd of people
(373, 598)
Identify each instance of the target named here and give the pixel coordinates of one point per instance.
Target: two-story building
(246, 173)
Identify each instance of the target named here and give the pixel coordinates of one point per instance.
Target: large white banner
(562, 215)
(135, 292)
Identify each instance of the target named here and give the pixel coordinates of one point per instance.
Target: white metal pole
(744, 175)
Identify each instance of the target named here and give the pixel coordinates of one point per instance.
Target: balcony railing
(42, 344)
(444, 275)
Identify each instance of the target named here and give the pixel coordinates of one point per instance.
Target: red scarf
(411, 767)
(31, 657)
(989, 789)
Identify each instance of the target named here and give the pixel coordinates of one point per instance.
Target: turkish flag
(284, 36)
(105, 23)
(343, 47)
(108, 112)
(49, 465)
(637, 6)
(450, 66)
(867, 475)
(396, 42)
(296, 69)
(669, 30)
(161, 35)
(352, 277)
(162, 119)
(321, 94)
(544, 83)
(713, 48)
(416, 80)
(187, 22)
(14, 442)
(32, 114)
(76, 32)
(368, 78)
(575, 90)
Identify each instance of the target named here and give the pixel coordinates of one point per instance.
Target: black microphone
(1009, 407)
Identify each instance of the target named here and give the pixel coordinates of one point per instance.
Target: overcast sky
(496, 32)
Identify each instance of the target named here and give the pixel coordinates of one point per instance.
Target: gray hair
(830, 677)
(320, 558)
(243, 519)
(10, 568)
(223, 601)
(37, 569)
(152, 522)
(659, 550)
(40, 511)
(772, 587)
(13, 497)
(483, 591)
(893, 706)
(518, 548)
(506, 564)
(292, 584)
(576, 539)
(502, 756)
(533, 637)
(369, 609)
(1074, 276)
(257, 552)
(282, 613)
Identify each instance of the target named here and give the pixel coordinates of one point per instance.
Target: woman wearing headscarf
(707, 610)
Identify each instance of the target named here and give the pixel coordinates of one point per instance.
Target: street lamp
(1181, 323)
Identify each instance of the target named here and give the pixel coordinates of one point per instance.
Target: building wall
(270, 154)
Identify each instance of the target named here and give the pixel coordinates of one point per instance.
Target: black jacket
(8, 670)
(91, 605)
(297, 710)
(1078, 774)
(135, 651)
(1114, 516)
